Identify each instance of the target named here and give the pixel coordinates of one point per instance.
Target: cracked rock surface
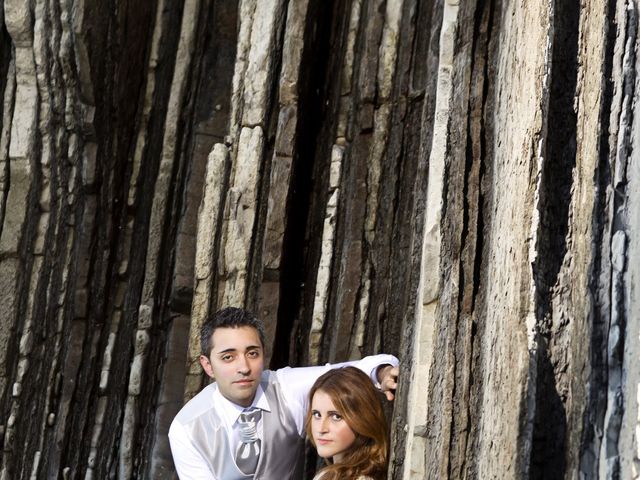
(456, 183)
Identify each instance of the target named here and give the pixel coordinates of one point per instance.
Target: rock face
(457, 183)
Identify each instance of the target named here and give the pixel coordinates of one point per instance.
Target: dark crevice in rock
(472, 243)
(45, 355)
(119, 84)
(319, 80)
(351, 248)
(214, 57)
(394, 287)
(417, 136)
(6, 54)
(487, 25)
(144, 403)
(132, 40)
(205, 118)
(549, 430)
(595, 404)
(175, 251)
(405, 144)
(467, 102)
(98, 240)
(5, 62)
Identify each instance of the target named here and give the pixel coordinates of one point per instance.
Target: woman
(347, 426)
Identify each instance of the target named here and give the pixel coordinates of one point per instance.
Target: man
(250, 422)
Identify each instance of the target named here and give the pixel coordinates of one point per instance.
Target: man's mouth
(243, 382)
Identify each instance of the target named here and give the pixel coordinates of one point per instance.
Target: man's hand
(388, 380)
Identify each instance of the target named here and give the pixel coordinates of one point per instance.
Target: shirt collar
(230, 411)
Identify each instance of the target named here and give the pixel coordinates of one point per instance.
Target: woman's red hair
(358, 402)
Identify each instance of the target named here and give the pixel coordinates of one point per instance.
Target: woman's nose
(324, 425)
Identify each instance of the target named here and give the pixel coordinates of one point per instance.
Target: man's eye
(226, 358)
(253, 354)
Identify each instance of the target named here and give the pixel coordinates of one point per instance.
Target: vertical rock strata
(452, 182)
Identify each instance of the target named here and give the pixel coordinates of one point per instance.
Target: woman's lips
(322, 441)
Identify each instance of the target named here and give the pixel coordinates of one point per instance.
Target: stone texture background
(456, 183)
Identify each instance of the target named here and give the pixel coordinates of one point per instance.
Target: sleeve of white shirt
(296, 382)
(188, 462)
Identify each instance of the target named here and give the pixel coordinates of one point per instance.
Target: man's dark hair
(230, 317)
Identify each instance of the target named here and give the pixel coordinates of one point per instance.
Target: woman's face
(331, 433)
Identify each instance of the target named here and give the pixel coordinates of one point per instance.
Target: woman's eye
(315, 414)
(336, 417)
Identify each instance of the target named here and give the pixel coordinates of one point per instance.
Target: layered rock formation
(454, 183)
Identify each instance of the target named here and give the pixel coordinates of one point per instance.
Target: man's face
(235, 362)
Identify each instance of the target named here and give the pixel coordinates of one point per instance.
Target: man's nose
(243, 365)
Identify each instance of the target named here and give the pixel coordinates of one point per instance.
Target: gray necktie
(248, 450)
